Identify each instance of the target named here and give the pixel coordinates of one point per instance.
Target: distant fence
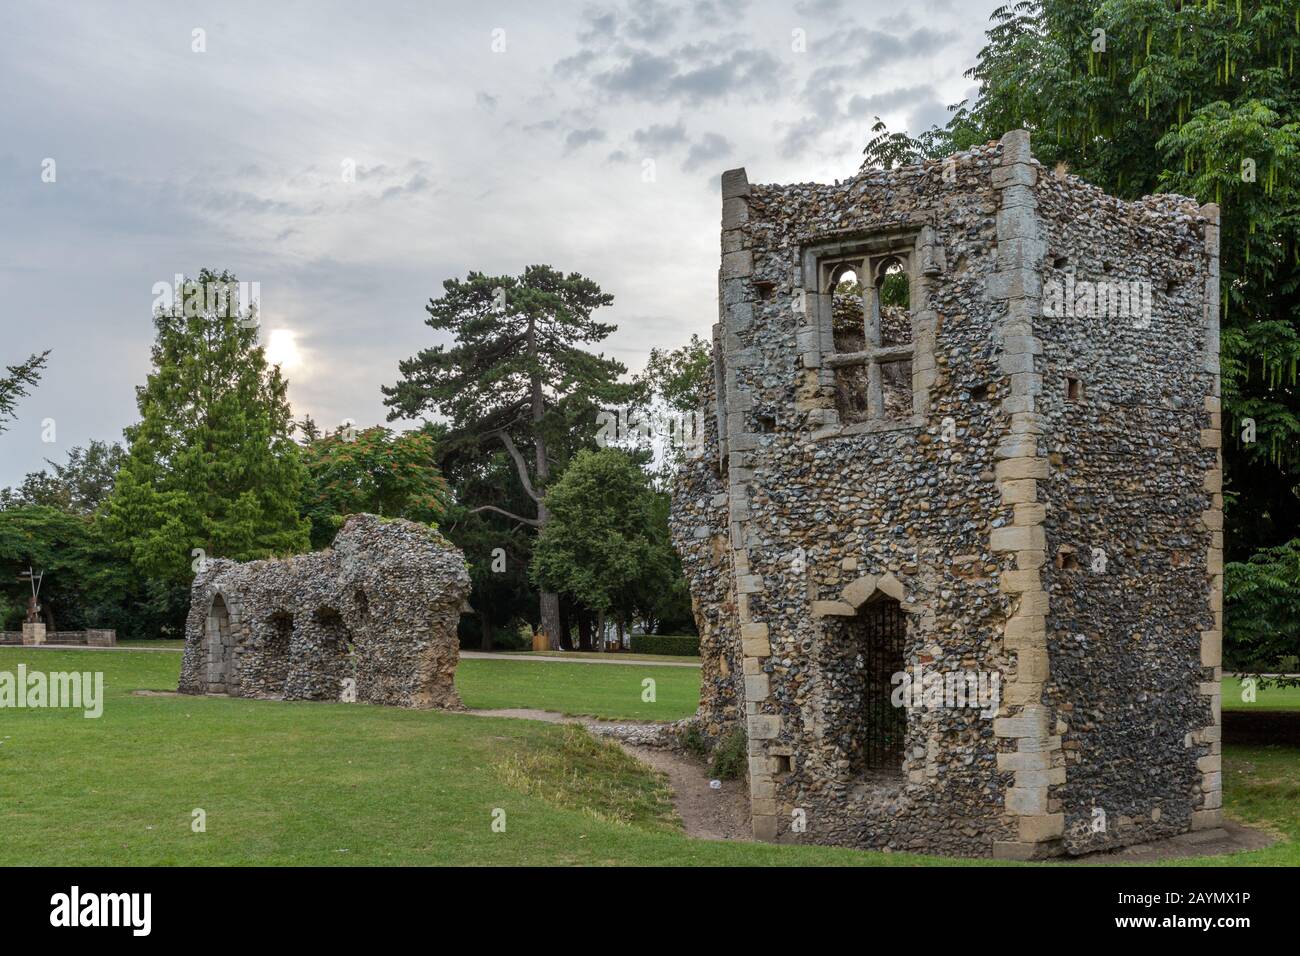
(90, 638)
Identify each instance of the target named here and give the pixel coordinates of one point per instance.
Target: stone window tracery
(867, 313)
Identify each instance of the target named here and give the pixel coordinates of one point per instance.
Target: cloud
(710, 147)
(890, 100)
(873, 49)
(577, 138)
(713, 13)
(660, 138)
(464, 160)
(818, 8)
(641, 73)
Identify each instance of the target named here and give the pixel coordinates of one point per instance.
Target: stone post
(33, 633)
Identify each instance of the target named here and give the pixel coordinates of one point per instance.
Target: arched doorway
(219, 643)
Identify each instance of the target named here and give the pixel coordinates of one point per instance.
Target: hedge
(684, 645)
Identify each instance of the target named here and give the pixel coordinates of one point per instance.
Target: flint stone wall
(978, 513)
(379, 607)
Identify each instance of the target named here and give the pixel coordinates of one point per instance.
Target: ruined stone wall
(1125, 493)
(379, 608)
(933, 503)
(698, 522)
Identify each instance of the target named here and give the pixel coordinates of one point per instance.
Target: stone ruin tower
(955, 542)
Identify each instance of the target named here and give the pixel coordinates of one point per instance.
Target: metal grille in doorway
(885, 631)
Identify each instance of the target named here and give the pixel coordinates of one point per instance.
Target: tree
(679, 376)
(600, 545)
(1262, 616)
(211, 465)
(81, 485)
(515, 378)
(14, 385)
(49, 540)
(375, 471)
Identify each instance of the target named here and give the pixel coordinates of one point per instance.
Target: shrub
(731, 756)
(693, 741)
(684, 645)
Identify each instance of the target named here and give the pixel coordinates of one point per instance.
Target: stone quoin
(910, 463)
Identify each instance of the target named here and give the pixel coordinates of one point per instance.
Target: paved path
(87, 647)
(472, 655)
(612, 659)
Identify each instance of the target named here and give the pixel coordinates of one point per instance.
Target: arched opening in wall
(856, 663)
(280, 634)
(336, 639)
(848, 317)
(893, 305)
(219, 646)
(275, 653)
(849, 331)
(862, 655)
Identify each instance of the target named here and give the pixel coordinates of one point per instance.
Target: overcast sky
(485, 136)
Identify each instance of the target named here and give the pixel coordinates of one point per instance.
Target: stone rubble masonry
(378, 608)
(1050, 511)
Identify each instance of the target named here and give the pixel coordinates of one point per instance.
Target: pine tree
(515, 377)
(211, 465)
(14, 385)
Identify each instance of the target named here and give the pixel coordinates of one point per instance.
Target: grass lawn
(615, 692)
(313, 783)
(614, 655)
(1266, 698)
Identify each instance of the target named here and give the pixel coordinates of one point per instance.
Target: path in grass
(320, 784)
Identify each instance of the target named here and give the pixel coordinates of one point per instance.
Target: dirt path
(706, 813)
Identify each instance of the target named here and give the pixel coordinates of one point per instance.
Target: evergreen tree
(211, 464)
(515, 378)
(14, 385)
